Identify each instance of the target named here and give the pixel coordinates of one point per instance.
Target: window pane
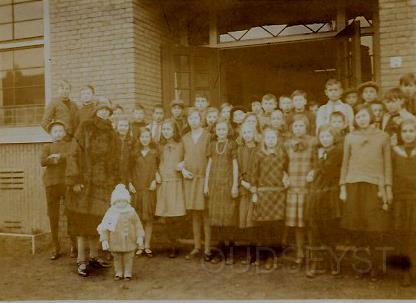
(201, 80)
(28, 29)
(31, 57)
(6, 79)
(29, 77)
(2, 2)
(6, 97)
(30, 95)
(184, 95)
(201, 63)
(182, 80)
(6, 60)
(181, 63)
(6, 32)
(6, 14)
(28, 11)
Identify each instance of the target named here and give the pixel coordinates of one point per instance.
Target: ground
(27, 277)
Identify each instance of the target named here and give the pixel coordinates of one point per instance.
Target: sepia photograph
(207, 150)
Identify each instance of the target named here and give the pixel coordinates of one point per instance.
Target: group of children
(349, 164)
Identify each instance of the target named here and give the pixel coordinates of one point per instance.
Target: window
(22, 80)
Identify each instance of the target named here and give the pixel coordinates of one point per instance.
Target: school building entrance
(240, 52)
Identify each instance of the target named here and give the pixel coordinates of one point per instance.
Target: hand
(206, 190)
(78, 188)
(140, 242)
(310, 176)
(180, 166)
(158, 178)
(343, 193)
(286, 181)
(382, 194)
(245, 184)
(393, 140)
(385, 207)
(105, 245)
(187, 174)
(132, 189)
(254, 198)
(153, 185)
(234, 191)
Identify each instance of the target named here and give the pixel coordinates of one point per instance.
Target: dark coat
(55, 171)
(94, 162)
(63, 110)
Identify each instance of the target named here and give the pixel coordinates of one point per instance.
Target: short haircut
(394, 93)
(284, 97)
(331, 82)
(367, 108)
(176, 133)
(268, 97)
(300, 117)
(299, 92)
(408, 122)
(212, 110)
(407, 79)
(90, 87)
(201, 95)
(225, 104)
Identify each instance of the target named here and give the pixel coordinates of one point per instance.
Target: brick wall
(92, 42)
(397, 39)
(151, 30)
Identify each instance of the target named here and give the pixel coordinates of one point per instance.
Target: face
(299, 102)
(351, 99)
(145, 138)
(408, 133)
(221, 130)
(276, 119)
(247, 133)
(270, 139)
(299, 128)
(64, 89)
(326, 138)
(194, 120)
(251, 121)
(201, 103)
(333, 92)
(176, 111)
(121, 204)
(238, 116)
(393, 106)
(86, 95)
(268, 105)
(225, 112)
(167, 131)
(103, 113)
(369, 94)
(158, 115)
(123, 127)
(314, 108)
(256, 107)
(378, 112)
(337, 122)
(362, 118)
(409, 89)
(57, 132)
(138, 115)
(285, 104)
(212, 118)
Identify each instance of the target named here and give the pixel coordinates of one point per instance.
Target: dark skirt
(404, 213)
(323, 204)
(363, 209)
(83, 225)
(145, 204)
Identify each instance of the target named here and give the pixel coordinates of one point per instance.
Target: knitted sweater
(367, 158)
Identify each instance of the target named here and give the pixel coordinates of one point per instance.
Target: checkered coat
(266, 174)
(302, 154)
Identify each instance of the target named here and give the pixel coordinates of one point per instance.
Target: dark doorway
(278, 69)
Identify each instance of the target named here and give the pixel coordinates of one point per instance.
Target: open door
(187, 71)
(349, 55)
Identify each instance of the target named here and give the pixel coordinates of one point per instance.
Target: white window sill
(23, 134)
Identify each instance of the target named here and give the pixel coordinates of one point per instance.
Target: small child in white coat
(121, 231)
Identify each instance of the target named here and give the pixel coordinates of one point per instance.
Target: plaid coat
(266, 174)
